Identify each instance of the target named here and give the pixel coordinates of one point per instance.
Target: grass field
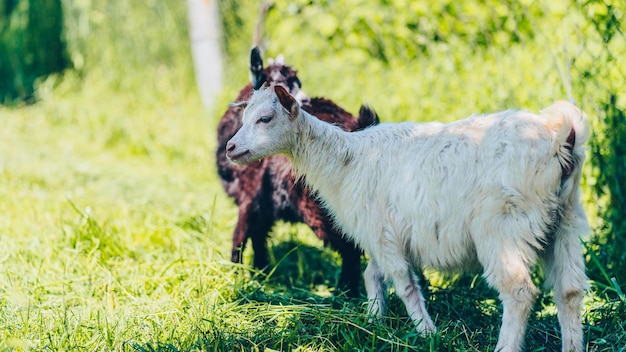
(115, 232)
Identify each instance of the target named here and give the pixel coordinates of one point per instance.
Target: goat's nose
(230, 146)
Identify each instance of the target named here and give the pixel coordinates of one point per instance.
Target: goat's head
(266, 122)
(276, 73)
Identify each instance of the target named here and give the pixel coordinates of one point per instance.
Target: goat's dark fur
(266, 191)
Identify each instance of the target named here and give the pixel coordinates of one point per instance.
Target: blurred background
(410, 60)
(111, 106)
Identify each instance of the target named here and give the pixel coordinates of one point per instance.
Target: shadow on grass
(291, 307)
(301, 267)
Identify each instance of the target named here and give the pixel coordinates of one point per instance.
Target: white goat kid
(497, 192)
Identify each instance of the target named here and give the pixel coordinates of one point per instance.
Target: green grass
(115, 232)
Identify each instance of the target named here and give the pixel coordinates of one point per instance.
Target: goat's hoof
(375, 319)
(425, 329)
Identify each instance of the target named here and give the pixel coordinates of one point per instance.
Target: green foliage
(117, 41)
(423, 61)
(403, 30)
(608, 152)
(603, 90)
(415, 60)
(31, 45)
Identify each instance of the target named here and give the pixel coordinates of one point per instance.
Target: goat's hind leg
(517, 301)
(565, 271)
(510, 275)
(349, 278)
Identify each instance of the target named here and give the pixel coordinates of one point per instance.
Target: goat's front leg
(259, 227)
(240, 235)
(407, 287)
(254, 225)
(375, 288)
(406, 284)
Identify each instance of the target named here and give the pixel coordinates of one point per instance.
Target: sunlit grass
(110, 212)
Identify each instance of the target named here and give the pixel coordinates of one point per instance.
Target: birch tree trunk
(205, 32)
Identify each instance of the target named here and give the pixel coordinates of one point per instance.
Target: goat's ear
(287, 101)
(280, 60)
(242, 104)
(257, 76)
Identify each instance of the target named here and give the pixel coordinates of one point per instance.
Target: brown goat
(266, 190)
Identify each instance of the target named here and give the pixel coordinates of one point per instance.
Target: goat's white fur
(485, 192)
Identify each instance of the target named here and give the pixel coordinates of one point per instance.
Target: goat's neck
(320, 153)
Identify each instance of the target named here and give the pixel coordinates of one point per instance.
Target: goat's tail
(565, 264)
(571, 131)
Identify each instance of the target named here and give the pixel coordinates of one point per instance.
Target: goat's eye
(265, 119)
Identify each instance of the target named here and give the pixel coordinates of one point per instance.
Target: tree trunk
(205, 32)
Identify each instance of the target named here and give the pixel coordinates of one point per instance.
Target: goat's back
(443, 187)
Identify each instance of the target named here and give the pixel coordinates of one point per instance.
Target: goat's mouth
(238, 158)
